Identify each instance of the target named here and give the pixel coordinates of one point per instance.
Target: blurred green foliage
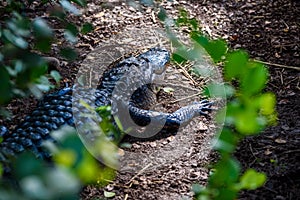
(25, 37)
(39, 179)
(249, 109)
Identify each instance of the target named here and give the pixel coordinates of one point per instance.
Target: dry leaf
(280, 141)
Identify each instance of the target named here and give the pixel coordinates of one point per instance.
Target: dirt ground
(269, 31)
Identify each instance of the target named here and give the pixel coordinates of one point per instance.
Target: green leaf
(147, 2)
(44, 35)
(194, 23)
(199, 38)
(183, 54)
(88, 168)
(197, 189)
(267, 103)
(183, 13)
(235, 65)
(65, 157)
(15, 40)
(68, 53)
(55, 75)
(109, 194)
(227, 172)
(70, 36)
(225, 193)
(43, 83)
(248, 122)
(25, 164)
(255, 79)
(72, 28)
(126, 145)
(252, 180)
(162, 15)
(41, 29)
(219, 90)
(68, 183)
(69, 7)
(70, 33)
(226, 142)
(19, 27)
(168, 89)
(80, 2)
(43, 44)
(59, 13)
(5, 87)
(87, 28)
(216, 49)
(177, 58)
(1, 170)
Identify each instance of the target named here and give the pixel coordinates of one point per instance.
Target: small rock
(153, 144)
(171, 138)
(136, 146)
(202, 126)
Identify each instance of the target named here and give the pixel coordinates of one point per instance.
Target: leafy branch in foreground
(39, 179)
(25, 37)
(249, 109)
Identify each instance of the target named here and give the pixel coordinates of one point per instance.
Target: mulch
(268, 31)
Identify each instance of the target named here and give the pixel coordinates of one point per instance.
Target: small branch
(290, 151)
(181, 86)
(126, 197)
(178, 100)
(185, 73)
(139, 173)
(185, 98)
(278, 65)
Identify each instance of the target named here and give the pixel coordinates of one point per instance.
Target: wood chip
(280, 141)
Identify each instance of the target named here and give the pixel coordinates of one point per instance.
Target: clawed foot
(204, 107)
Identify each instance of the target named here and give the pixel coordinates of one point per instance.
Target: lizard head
(157, 59)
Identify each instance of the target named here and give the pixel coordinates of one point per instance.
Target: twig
(271, 190)
(153, 16)
(284, 45)
(126, 197)
(116, 185)
(178, 100)
(185, 98)
(181, 86)
(187, 74)
(154, 45)
(281, 79)
(250, 146)
(290, 151)
(139, 173)
(277, 65)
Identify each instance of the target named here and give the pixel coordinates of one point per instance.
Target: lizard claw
(205, 107)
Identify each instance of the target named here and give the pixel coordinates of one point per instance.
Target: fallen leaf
(268, 152)
(98, 15)
(280, 141)
(109, 194)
